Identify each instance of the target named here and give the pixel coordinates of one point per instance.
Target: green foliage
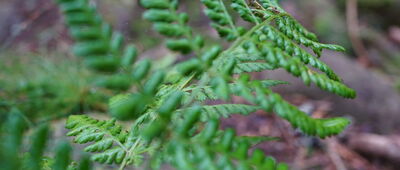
(104, 134)
(223, 110)
(213, 149)
(170, 119)
(13, 156)
(221, 20)
(50, 87)
(101, 49)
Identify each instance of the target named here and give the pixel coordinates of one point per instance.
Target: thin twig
(333, 154)
(354, 33)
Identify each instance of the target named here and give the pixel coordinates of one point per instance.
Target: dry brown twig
(354, 31)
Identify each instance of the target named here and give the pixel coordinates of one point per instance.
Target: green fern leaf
(114, 155)
(203, 93)
(222, 21)
(101, 134)
(232, 151)
(252, 67)
(225, 110)
(241, 7)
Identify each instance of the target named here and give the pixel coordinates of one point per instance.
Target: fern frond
(39, 140)
(270, 101)
(277, 57)
(297, 68)
(172, 24)
(203, 93)
(62, 156)
(291, 28)
(241, 7)
(252, 67)
(255, 140)
(288, 26)
(113, 155)
(213, 149)
(271, 83)
(13, 156)
(168, 105)
(221, 20)
(100, 47)
(310, 126)
(106, 137)
(224, 110)
(291, 49)
(12, 136)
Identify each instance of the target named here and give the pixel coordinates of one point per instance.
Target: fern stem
(252, 15)
(240, 41)
(186, 82)
(128, 154)
(259, 5)
(134, 146)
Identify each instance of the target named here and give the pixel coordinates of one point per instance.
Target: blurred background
(39, 75)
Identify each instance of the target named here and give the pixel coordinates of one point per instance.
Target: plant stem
(128, 154)
(239, 41)
(252, 15)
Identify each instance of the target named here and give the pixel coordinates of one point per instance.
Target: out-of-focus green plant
(45, 87)
(20, 151)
